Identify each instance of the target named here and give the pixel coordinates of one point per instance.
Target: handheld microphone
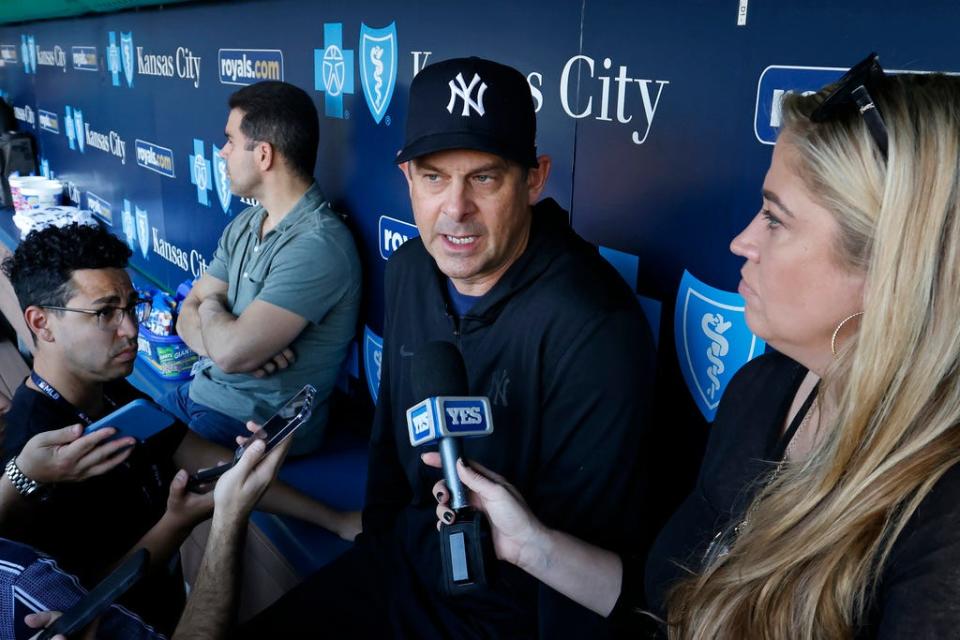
(445, 414)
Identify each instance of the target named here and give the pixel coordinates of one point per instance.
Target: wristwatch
(24, 485)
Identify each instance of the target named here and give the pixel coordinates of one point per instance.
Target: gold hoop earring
(833, 338)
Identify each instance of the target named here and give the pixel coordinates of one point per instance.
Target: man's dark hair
(41, 267)
(283, 115)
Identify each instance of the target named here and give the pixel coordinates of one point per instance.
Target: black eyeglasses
(110, 317)
(853, 90)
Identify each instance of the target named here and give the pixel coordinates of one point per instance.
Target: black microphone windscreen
(438, 370)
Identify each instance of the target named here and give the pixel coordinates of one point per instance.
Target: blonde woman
(828, 502)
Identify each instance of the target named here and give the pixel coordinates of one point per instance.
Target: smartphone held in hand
(140, 419)
(278, 428)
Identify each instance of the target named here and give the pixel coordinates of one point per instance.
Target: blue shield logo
(712, 339)
(143, 231)
(78, 127)
(126, 55)
(378, 67)
(372, 360)
(129, 227)
(221, 180)
(200, 172)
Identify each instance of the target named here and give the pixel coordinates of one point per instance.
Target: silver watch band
(24, 485)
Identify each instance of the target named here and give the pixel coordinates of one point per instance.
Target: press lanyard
(52, 393)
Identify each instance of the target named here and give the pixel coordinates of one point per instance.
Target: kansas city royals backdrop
(659, 118)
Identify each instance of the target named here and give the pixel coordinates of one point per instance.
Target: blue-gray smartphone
(140, 419)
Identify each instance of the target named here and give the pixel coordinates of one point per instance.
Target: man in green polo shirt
(278, 304)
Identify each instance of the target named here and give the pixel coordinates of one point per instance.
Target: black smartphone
(92, 605)
(278, 428)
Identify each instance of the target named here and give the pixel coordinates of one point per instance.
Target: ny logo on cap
(464, 92)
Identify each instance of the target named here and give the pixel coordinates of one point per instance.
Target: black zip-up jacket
(562, 350)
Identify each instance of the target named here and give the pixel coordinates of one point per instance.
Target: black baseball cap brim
(470, 140)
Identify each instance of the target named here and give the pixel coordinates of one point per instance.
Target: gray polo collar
(310, 202)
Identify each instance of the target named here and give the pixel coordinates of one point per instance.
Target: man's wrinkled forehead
(93, 287)
(475, 161)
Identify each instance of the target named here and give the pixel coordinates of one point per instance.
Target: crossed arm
(257, 341)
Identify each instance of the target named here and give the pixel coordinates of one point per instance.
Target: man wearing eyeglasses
(79, 303)
(81, 307)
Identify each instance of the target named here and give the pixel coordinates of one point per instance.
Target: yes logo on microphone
(421, 421)
(464, 415)
(443, 416)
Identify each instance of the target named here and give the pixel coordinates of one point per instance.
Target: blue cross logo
(113, 59)
(200, 172)
(68, 127)
(333, 70)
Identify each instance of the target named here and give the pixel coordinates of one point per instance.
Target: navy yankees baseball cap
(471, 103)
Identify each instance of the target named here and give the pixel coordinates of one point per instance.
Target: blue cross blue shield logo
(200, 172)
(68, 129)
(129, 227)
(333, 70)
(45, 168)
(78, 127)
(126, 56)
(221, 180)
(378, 67)
(372, 360)
(113, 59)
(712, 339)
(143, 231)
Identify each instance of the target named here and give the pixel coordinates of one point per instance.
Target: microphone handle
(449, 452)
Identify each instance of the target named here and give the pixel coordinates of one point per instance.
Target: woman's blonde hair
(807, 562)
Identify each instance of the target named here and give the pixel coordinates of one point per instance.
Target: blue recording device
(140, 419)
